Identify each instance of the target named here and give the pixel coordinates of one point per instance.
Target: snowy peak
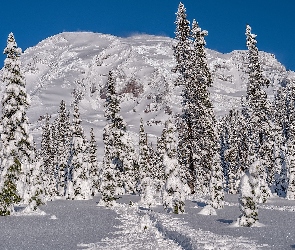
(142, 65)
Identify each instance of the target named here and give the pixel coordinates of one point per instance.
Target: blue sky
(273, 21)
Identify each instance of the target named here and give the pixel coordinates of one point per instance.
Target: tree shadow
(200, 204)
(225, 221)
(19, 208)
(144, 208)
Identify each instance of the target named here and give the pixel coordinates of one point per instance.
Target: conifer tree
(182, 55)
(175, 189)
(291, 162)
(197, 135)
(216, 183)
(249, 193)
(119, 149)
(143, 161)
(35, 191)
(203, 118)
(17, 144)
(284, 118)
(93, 164)
(61, 137)
(47, 160)
(236, 132)
(182, 49)
(290, 140)
(108, 184)
(78, 180)
(260, 118)
(160, 151)
(156, 167)
(146, 186)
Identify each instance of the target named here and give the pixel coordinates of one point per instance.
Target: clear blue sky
(272, 20)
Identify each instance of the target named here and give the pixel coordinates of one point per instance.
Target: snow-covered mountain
(143, 63)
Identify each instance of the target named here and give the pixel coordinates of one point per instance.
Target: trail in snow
(147, 229)
(192, 238)
(83, 225)
(137, 232)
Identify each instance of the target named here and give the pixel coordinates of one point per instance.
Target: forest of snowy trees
(249, 152)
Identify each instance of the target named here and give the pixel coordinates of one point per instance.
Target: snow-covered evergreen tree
(291, 162)
(203, 118)
(249, 191)
(47, 160)
(182, 55)
(159, 156)
(35, 191)
(61, 146)
(197, 135)
(284, 106)
(235, 132)
(175, 189)
(146, 185)
(281, 121)
(78, 179)
(290, 138)
(157, 169)
(109, 176)
(143, 157)
(260, 117)
(93, 164)
(17, 144)
(216, 183)
(182, 49)
(119, 149)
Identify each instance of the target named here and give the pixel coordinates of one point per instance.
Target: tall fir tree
(260, 120)
(17, 144)
(290, 138)
(284, 106)
(182, 54)
(197, 135)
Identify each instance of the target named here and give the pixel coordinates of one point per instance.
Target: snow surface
(66, 224)
(84, 225)
(193, 230)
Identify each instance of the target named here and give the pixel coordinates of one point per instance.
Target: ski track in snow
(137, 232)
(190, 238)
(146, 229)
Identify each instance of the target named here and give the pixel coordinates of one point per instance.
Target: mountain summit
(142, 65)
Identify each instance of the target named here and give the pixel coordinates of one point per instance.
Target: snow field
(155, 229)
(65, 225)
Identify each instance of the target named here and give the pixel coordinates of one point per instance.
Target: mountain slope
(142, 63)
